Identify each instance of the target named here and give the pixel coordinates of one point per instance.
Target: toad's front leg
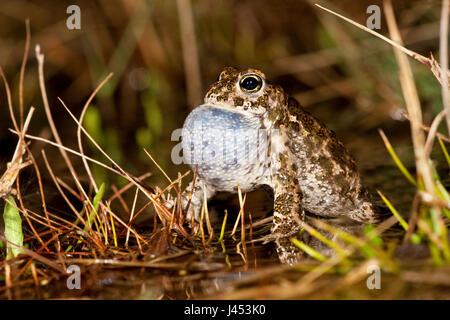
(287, 211)
(287, 216)
(192, 199)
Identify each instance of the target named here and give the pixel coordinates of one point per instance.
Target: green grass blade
(307, 249)
(222, 230)
(443, 194)
(396, 159)
(325, 240)
(113, 230)
(435, 222)
(13, 228)
(95, 203)
(436, 254)
(444, 150)
(369, 232)
(394, 211)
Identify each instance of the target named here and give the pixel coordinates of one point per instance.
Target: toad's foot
(277, 236)
(192, 200)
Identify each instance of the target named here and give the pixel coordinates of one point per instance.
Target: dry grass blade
(241, 212)
(138, 237)
(411, 97)
(55, 144)
(432, 134)
(128, 186)
(33, 229)
(61, 192)
(13, 168)
(8, 280)
(118, 263)
(194, 179)
(131, 216)
(80, 144)
(430, 62)
(159, 167)
(22, 69)
(40, 59)
(8, 96)
(208, 222)
(413, 218)
(37, 257)
(443, 59)
(238, 218)
(427, 129)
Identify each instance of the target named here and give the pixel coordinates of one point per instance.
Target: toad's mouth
(223, 141)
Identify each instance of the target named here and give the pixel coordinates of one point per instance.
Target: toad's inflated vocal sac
(250, 133)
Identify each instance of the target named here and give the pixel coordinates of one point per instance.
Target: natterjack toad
(250, 133)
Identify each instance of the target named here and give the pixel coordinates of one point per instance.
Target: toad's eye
(250, 83)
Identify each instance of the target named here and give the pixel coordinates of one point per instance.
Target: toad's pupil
(250, 83)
